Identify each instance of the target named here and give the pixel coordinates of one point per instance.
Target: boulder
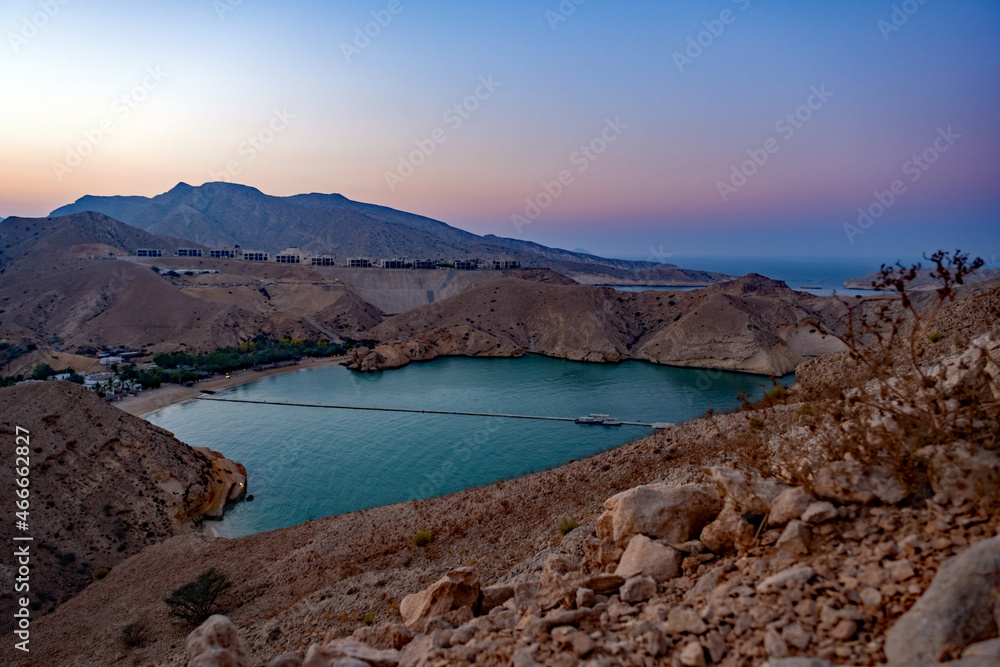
(388, 635)
(851, 482)
(789, 505)
(732, 485)
(216, 643)
(459, 588)
(332, 652)
(987, 649)
(637, 589)
(955, 611)
(674, 514)
(729, 530)
(963, 472)
(285, 660)
(643, 556)
(793, 577)
(820, 512)
(494, 596)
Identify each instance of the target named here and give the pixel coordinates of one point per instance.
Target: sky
(641, 129)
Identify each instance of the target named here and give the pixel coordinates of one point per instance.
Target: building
(506, 264)
(149, 252)
(255, 256)
(222, 254)
(359, 263)
(466, 264)
(188, 252)
(393, 263)
(424, 264)
(323, 260)
(289, 256)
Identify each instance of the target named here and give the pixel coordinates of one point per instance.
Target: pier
(657, 425)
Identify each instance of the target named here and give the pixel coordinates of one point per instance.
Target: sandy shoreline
(154, 399)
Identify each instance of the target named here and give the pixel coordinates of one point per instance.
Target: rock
(692, 654)
(603, 584)
(285, 660)
(522, 658)
(389, 635)
(795, 539)
(955, 611)
(732, 485)
(418, 652)
(899, 570)
(494, 596)
(798, 662)
(637, 589)
(705, 584)
(329, 653)
(349, 662)
(459, 588)
(987, 649)
(462, 635)
(819, 512)
(844, 629)
(774, 644)
(585, 598)
(795, 635)
(729, 530)
(963, 472)
(674, 514)
(851, 482)
(646, 557)
(789, 505)
(551, 591)
(216, 643)
(684, 620)
(793, 577)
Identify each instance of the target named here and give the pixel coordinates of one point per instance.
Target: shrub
(422, 538)
(567, 525)
(101, 573)
(934, 336)
(191, 604)
(368, 619)
(134, 634)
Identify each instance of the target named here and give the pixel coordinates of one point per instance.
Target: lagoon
(307, 463)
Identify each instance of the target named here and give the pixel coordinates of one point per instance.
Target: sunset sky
(472, 113)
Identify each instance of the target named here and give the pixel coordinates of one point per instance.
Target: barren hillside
(103, 485)
(753, 324)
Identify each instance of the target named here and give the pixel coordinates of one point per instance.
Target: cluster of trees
(41, 372)
(257, 352)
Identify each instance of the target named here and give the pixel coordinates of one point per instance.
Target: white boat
(599, 419)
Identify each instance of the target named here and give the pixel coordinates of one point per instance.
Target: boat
(599, 419)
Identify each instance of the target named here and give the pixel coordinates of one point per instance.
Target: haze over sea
(307, 463)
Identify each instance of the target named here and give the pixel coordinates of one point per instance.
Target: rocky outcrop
(753, 324)
(457, 590)
(851, 482)
(216, 643)
(672, 514)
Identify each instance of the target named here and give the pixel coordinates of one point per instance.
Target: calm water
(307, 463)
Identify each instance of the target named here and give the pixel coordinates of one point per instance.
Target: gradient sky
(227, 70)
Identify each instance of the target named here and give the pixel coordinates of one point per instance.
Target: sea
(304, 463)
(822, 276)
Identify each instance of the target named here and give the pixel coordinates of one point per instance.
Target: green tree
(191, 604)
(42, 372)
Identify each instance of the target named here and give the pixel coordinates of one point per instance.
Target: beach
(169, 394)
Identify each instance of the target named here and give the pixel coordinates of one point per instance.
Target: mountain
(754, 324)
(227, 214)
(56, 291)
(923, 280)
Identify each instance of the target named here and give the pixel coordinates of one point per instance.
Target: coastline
(166, 395)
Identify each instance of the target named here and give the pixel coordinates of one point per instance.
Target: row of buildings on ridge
(297, 256)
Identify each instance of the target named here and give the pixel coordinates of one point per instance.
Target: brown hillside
(103, 485)
(753, 324)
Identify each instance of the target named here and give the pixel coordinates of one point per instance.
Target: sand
(154, 399)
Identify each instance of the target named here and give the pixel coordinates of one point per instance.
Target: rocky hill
(103, 486)
(923, 279)
(57, 290)
(226, 214)
(753, 324)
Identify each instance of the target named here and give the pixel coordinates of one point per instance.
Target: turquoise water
(307, 463)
